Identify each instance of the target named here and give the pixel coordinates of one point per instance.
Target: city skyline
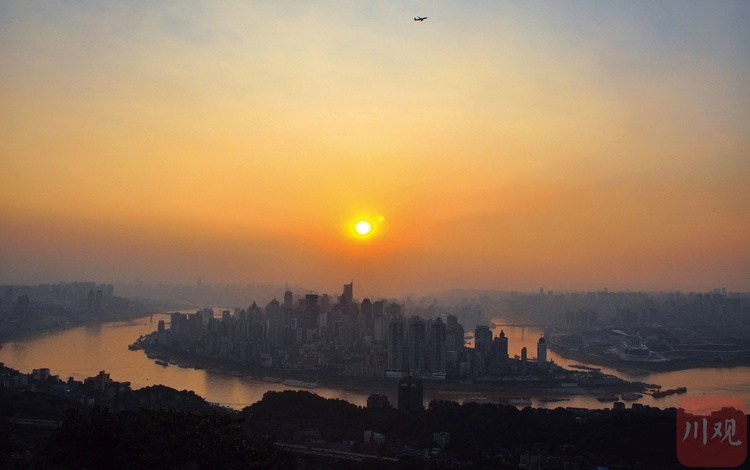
(492, 146)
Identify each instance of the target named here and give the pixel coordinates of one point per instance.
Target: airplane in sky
(420, 18)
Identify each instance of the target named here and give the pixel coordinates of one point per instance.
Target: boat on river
(586, 368)
(551, 399)
(631, 396)
(670, 391)
(608, 398)
(300, 384)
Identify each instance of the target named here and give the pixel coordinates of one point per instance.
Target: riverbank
(670, 365)
(573, 383)
(83, 352)
(34, 331)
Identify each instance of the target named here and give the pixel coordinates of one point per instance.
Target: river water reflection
(84, 351)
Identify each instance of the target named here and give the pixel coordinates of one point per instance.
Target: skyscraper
(417, 344)
(273, 309)
(367, 317)
(541, 351)
(312, 310)
(454, 340)
(482, 339)
(395, 338)
(393, 309)
(502, 346)
(499, 354)
(288, 299)
(437, 348)
(325, 302)
(347, 297)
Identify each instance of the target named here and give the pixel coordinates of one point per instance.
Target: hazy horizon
(495, 145)
(264, 292)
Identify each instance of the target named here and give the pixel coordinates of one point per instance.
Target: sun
(363, 228)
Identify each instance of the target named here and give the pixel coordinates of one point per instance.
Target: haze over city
(495, 145)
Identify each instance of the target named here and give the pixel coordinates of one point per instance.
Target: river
(83, 351)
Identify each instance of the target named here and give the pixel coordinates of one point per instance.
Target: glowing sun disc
(363, 228)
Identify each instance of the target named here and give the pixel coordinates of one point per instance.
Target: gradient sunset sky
(497, 144)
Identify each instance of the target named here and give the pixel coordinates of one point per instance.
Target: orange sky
(505, 145)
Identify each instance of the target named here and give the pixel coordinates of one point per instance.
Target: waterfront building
(502, 347)
(410, 394)
(499, 355)
(541, 351)
(482, 339)
(438, 348)
(454, 341)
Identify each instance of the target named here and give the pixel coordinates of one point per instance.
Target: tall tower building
(378, 308)
(503, 346)
(482, 339)
(288, 299)
(417, 344)
(366, 310)
(395, 339)
(437, 348)
(273, 309)
(325, 302)
(541, 351)
(454, 340)
(393, 309)
(499, 354)
(380, 328)
(312, 310)
(347, 297)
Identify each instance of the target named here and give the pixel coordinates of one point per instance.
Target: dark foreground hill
(159, 427)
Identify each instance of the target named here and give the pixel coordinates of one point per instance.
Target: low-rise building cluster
(99, 389)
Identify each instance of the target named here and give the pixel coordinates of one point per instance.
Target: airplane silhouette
(420, 18)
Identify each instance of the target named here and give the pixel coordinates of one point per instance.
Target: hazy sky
(497, 144)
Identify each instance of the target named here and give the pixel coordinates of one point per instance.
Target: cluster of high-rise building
(25, 309)
(364, 339)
